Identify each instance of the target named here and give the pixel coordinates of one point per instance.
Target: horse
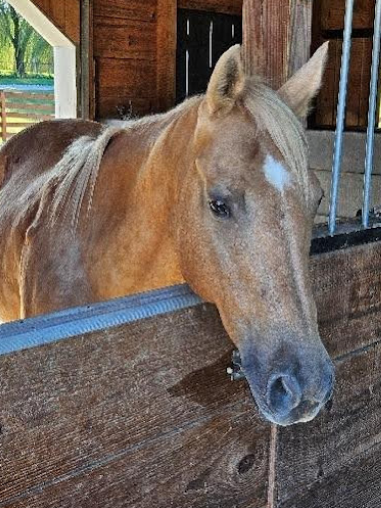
(216, 193)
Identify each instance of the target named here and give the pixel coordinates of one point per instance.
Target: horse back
(39, 147)
(23, 159)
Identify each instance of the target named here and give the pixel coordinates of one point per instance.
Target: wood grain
(300, 35)
(221, 6)
(166, 54)
(64, 15)
(120, 82)
(266, 39)
(332, 14)
(347, 290)
(125, 39)
(145, 414)
(140, 414)
(335, 461)
(131, 10)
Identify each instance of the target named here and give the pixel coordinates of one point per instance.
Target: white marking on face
(276, 174)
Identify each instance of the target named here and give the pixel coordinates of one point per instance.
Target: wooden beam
(166, 40)
(276, 37)
(86, 61)
(143, 414)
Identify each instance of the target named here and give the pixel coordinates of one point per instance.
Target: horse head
(246, 209)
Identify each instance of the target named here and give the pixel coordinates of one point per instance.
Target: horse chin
(290, 419)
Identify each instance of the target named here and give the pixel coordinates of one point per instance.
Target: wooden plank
(18, 125)
(220, 6)
(266, 39)
(64, 15)
(120, 82)
(136, 428)
(358, 86)
(166, 54)
(3, 115)
(125, 39)
(73, 20)
(24, 96)
(332, 14)
(30, 116)
(131, 10)
(353, 320)
(300, 35)
(335, 461)
(21, 106)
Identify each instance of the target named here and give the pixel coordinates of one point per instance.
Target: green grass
(30, 80)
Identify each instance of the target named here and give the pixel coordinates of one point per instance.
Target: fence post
(3, 116)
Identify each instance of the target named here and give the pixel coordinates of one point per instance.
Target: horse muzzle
(289, 387)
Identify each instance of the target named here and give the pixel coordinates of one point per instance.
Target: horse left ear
(299, 90)
(227, 81)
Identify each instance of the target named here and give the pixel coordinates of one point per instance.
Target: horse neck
(151, 185)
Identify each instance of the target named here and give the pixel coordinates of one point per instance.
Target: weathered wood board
(139, 415)
(143, 414)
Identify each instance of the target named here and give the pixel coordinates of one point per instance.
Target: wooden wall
(328, 21)
(64, 14)
(135, 52)
(144, 414)
(134, 46)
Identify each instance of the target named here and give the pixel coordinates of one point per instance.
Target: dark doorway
(202, 37)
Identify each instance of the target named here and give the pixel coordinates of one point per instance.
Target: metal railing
(343, 86)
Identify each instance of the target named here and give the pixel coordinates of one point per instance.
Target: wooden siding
(144, 414)
(328, 22)
(64, 14)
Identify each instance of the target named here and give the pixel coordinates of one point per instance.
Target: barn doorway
(202, 37)
(65, 87)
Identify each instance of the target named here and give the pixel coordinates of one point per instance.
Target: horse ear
(227, 81)
(299, 90)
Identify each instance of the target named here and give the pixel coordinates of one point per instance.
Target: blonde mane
(69, 184)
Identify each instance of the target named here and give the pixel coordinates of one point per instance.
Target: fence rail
(20, 109)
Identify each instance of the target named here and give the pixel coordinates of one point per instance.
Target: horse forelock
(274, 117)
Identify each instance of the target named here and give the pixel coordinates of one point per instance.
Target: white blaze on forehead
(276, 174)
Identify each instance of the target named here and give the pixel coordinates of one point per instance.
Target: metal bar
(371, 115)
(340, 117)
(45, 329)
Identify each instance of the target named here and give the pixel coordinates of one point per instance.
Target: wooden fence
(20, 109)
(127, 404)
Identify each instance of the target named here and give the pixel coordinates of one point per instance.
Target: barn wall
(135, 52)
(64, 14)
(144, 414)
(328, 24)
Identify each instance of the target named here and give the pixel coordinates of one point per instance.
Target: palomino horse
(216, 192)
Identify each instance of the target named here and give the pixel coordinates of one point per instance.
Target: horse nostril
(284, 393)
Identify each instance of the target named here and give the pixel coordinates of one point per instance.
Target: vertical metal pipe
(340, 116)
(371, 115)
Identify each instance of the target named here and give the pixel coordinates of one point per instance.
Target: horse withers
(216, 192)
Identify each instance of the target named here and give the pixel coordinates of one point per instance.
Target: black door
(202, 37)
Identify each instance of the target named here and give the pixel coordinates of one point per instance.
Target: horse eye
(220, 208)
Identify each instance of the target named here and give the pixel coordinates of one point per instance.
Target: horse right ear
(227, 81)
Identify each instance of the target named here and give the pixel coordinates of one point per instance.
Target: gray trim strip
(37, 331)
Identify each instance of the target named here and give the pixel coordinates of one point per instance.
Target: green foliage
(22, 49)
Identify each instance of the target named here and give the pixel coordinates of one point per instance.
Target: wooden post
(3, 116)
(166, 54)
(276, 37)
(86, 56)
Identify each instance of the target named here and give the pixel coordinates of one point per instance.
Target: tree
(27, 44)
